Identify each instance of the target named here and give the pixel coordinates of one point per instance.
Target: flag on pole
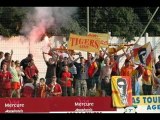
(143, 55)
(121, 91)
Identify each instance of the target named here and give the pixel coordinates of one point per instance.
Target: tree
(144, 14)
(120, 21)
(11, 20)
(125, 22)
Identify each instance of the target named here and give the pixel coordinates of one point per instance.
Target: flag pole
(147, 25)
(87, 20)
(87, 24)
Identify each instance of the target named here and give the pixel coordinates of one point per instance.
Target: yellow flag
(121, 91)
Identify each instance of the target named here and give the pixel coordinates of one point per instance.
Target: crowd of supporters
(67, 77)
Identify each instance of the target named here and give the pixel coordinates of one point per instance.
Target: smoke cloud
(39, 19)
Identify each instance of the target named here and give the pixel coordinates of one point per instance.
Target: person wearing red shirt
(147, 81)
(92, 69)
(54, 88)
(66, 82)
(115, 68)
(28, 89)
(24, 64)
(41, 89)
(6, 60)
(5, 81)
(31, 71)
(127, 69)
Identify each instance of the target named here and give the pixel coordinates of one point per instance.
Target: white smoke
(42, 18)
(39, 19)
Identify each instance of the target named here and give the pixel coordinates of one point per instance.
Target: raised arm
(44, 57)
(105, 52)
(10, 60)
(56, 60)
(96, 56)
(80, 55)
(112, 64)
(96, 68)
(124, 52)
(70, 57)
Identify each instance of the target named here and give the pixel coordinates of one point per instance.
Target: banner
(121, 91)
(147, 103)
(84, 43)
(104, 38)
(143, 55)
(146, 100)
(56, 105)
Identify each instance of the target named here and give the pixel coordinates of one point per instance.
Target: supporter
(136, 74)
(25, 61)
(15, 83)
(24, 64)
(99, 60)
(5, 81)
(59, 68)
(6, 60)
(41, 89)
(157, 67)
(127, 69)
(92, 69)
(51, 68)
(1, 58)
(66, 82)
(115, 68)
(54, 88)
(116, 57)
(82, 76)
(73, 70)
(105, 77)
(157, 84)
(129, 56)
(20, 72)
(147, 81)
(28, 89)
(31, 72)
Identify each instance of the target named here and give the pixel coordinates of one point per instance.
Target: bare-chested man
(105, 77)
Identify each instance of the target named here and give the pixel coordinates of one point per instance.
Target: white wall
(20, 46)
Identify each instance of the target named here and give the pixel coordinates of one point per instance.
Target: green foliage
(125, 22)
(120, 21)
(11, 20)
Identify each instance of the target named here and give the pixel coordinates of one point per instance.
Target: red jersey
(127, 71)
(5, 80)
(91, 69)
(28, 90)
(55, 89)
(31, 71)
(41, 90)
(65, 75)
(115, 66)
(147, 77)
